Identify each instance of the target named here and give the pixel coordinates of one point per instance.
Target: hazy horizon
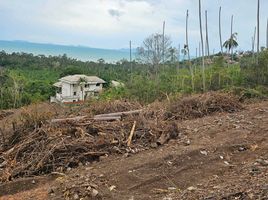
(111, 24)
(79, 52)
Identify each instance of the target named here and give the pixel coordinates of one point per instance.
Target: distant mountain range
(78, 52)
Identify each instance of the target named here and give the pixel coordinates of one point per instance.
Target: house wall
(66, 89)
(67, 94)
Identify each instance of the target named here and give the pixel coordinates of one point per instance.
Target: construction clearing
(208, 146)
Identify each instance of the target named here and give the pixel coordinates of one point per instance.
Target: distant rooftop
(76, 78)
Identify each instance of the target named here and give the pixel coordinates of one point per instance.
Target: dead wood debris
(42, 147)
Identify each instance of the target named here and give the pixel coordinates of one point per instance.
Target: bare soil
(220, 156)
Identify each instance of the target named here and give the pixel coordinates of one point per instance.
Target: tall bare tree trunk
(202, 48)
(188, 51)
(163, 54)
(207, 42)
(179, 56)
(130, 60)
(267, 35)
(258, 31)
(220, 30)
(253, 40)
(253, 44)
(232, 49)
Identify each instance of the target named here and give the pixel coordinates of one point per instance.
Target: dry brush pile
(39, 146)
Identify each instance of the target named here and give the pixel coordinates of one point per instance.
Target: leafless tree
(267, 35)
(207, 42)
(187, 49)
(258, 31)
(151, 51)
(202, 48)
(130, 60)
(163, 42)
(253, 40)
(220, 30)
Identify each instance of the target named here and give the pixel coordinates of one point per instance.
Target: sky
(112, 23)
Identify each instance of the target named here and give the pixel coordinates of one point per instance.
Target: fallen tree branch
(131, 134)
(119, 113)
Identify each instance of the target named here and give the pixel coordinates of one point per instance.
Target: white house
(76, 88)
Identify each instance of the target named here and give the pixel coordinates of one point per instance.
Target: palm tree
(231, 43)
(202, 48)
(172, 54)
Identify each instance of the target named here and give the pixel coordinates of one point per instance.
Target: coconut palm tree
(231, 43)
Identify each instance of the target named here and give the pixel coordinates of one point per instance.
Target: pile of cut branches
(41, 146)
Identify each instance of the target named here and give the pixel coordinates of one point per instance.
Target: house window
(98, 84)
(74, 93)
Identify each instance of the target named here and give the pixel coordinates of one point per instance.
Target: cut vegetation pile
(41, 146)
(4, 114)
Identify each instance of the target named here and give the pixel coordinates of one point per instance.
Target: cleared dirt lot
(222, 156)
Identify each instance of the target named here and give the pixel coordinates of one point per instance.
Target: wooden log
(129, 140)
(101, 117)
(107, 118)
(119, 113)
(163, 138)
(95, 153)
(68, 119)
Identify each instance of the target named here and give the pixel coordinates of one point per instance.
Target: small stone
(69, 169)
(241, 149)
(262, 162)
(191, 188)
(33, 181)
(93, 185)
(76, 196)
(172, 188)
(50, 190)
(154, 145)
(221, 157)
(187, 142)
(94, 192)
(112, 187)
(89, 188)
(204, 153)
(226, 163)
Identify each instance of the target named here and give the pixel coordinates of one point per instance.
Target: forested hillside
(26, 78)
